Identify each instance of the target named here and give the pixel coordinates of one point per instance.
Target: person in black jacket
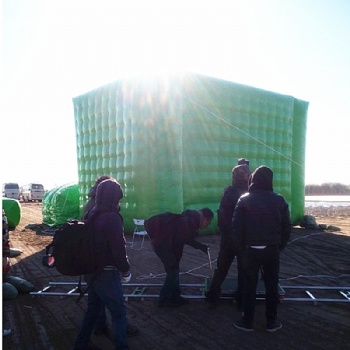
(261, 228)
(101, 322)
(105, 286)
(169, 233)
(240, 176)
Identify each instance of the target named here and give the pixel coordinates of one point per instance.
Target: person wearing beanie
(105, 286)
(261, 227)
(169, 232)
(227, 254)
(241, 161)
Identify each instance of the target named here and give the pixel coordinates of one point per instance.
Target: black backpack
(72, 250)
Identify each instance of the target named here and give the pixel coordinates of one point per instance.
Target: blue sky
(53, 51)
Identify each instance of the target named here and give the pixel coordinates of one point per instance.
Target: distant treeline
(333, 189)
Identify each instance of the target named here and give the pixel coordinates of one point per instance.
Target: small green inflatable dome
(61, 204)
(13, 212)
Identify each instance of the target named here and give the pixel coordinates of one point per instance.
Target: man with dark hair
(240, 175)
(261, 228)
(169, 233)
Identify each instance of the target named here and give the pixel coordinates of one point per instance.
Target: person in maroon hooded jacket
(261, 227)
(105, 286)
(169, 233)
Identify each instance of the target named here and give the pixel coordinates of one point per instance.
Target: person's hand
(126, 277)
(205, 249)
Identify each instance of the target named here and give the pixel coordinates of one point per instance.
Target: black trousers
(171, 286)
(225, 259)
(252, 261)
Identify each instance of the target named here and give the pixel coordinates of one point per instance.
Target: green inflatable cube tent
(172, 141)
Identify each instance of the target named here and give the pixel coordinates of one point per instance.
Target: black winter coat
(109, 238)
(227, 207)
(261, 217)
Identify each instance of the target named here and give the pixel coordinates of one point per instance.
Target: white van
(32, 192)
(11, 190)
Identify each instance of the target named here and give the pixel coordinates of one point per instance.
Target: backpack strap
(82, 291)
(47, 249)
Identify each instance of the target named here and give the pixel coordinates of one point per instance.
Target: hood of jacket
(92, 192)
(261, 179)
(108, 195)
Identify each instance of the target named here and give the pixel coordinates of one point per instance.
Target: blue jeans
(101, 321)
(105, 289)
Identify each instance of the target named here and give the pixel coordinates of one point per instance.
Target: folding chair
(139, 231)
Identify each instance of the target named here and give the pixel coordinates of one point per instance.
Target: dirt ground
(312, 258)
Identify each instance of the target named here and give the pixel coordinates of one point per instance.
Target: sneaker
(273, 326)
(131, 330)
(243, 326)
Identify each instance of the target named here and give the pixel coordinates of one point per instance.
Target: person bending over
(169, 233)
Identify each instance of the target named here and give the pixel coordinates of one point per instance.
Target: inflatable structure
(13, 211)
(172, 141)
(61, 204)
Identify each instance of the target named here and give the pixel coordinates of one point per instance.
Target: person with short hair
(227, 253)
(169, 233)
(261, 227)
